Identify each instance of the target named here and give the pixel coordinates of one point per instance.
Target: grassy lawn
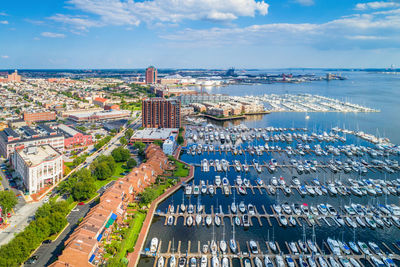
(133, 234)
(69, 164)
(181, 170)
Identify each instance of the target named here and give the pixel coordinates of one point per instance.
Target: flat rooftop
(100, 113)
(36, 155)
(154, 133)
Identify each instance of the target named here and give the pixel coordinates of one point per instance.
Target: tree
(102, 171)
(129, 133)
(8, 200)
(131, 163)
(123, 141)
(148, 195)
(56, 221)
(120, 154)
(180, 139)
(83, 190)
(139, 145)
(158, 143)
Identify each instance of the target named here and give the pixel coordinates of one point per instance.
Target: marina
(333, 189)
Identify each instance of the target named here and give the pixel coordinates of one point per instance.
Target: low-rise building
(30, 117)
(100, 115)
(99, 101)
(25, 136)
(149, 135)
(38, 166)
(169, 146)
(74, 137)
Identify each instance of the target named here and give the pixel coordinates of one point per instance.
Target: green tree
(129, 133)
(123, 141)
(148, 195)
(139, 145)
(180, 139)
(158, 143)
(120, 154)
(102, 171)
(83, 190)
(131, 163)
(8, 200)
(56, 221)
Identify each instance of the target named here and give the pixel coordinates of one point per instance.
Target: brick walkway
(135, 255)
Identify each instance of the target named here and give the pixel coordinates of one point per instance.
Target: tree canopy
(121, 154)
(8, 200)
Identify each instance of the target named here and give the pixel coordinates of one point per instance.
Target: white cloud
(79, 22)
(119, 12)
(3, 14)
(376, 5)
(5, 56)
(373, 30)
(5, 22)
(53, 35)
(305, 2)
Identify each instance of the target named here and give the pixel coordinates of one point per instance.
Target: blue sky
(199, 33)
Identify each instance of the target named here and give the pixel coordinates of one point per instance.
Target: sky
(89, 34)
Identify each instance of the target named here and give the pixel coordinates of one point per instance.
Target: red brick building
(151, 75)
(74, 137)
(39, 116)
(158, 112)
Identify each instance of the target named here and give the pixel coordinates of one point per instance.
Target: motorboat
(208, 220)
(160, 262)
(215, 261)
(182, 262)
(251, 209)
(268, 262)
(172, 261)
(279, 261)
(189, 221)
(233, 208)
(233, 245)
(170, 220)
(217, 220)
(223, 246)
(203, 261)
(199, 219)
(242, 207)
(237, 220)
(225, 262)
(253, 247)
(283, 220)
(258, 262)
(153, 244)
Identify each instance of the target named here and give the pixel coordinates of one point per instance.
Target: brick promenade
(135, 255)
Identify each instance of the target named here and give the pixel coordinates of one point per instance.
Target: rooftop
(36, 155)
(154, 133)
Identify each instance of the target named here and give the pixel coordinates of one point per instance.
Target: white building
(38, 166)
(168, 146)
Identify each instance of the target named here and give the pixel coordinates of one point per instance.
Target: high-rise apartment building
(151, 75)
(159, 112)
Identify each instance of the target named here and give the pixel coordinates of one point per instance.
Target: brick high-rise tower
(151, 75)
(158, 112)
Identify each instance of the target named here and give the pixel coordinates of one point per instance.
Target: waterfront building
(151, 75)
(149, 135)
(169, 146)
(158, 112)
(187, 99)
(25, 136)
(38, 166)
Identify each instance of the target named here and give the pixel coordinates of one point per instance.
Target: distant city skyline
(127, 34)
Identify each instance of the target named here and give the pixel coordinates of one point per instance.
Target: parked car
(32, 260)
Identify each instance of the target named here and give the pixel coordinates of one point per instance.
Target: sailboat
(222, 243)
(232, 242)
